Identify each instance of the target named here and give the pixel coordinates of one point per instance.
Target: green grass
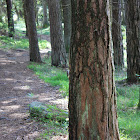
(10, 43)
(55, 121)
(22, 43)
(53, 128)
(44, 31)
(54, 76)
(128, 115)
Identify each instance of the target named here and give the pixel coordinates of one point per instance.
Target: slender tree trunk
(117, 34)
(25, 17)
(58, 53)
(123, 7)
(66, 5)
(36, 11)
(10, 18)
(92, 97)
(45, 17)
(133, 40)
(17, 11)
(32, 32)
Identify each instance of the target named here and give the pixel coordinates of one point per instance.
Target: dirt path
(16, 83)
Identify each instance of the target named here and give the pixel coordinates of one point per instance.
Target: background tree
(32, 32)
(10, 18)
(58, 52)
(133, 40)
(117, 34)
(92, 98)
(45, 17)
(66, 5)
(25, 17)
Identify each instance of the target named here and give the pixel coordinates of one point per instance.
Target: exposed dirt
(16, 83)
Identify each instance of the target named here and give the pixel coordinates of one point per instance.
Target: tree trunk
(133, 40)
(58, 53)
(117, 34)
(32, 32)
(66, 5)
(92, 97)
(25, 17)
(45, 17)
(10, 18)
(36, 11)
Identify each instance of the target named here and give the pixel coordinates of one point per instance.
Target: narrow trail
(16, 83)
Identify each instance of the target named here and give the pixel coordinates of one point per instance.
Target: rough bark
(92, 97)
(10, 18)
(66, 5)
(117, 34)
(133, 40)
(58, 52)
(45, 17)
(32, 32)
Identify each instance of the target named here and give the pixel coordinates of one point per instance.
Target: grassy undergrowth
(128, 115)
(22, 43)
(55, 120)
(54, 76)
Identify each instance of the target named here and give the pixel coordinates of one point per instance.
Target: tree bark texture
(25, 17)
(117, 34)
(10, 18)
(92, 97)
(133, 40)
(58, 52)
(45, 17)
(66, 5)
(32, 32)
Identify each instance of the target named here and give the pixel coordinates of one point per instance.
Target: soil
(17, 82)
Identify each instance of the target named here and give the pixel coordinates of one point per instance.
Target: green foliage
(43, 44)
(11, 43)
(54, 76)
(21, 43)
(55, 121)
(120, 74)
(54, 128)
(128, 116)
(45, 31)
(3, 26)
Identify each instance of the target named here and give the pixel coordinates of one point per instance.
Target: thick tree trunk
(45, 17)
(92, 97)
(10, 18)
(58, 53)
(133, 40)
(117, 34)
(66, 5)
(32, 32)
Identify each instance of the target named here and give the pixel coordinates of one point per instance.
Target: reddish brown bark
(92, 98)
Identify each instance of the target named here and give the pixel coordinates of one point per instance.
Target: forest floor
(16, 83)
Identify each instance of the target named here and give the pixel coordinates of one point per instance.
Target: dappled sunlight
(9, 79)
(18, 115)
(22, 87)
(7, 102)
(11, 107)
(62, 137)
(40, 98)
